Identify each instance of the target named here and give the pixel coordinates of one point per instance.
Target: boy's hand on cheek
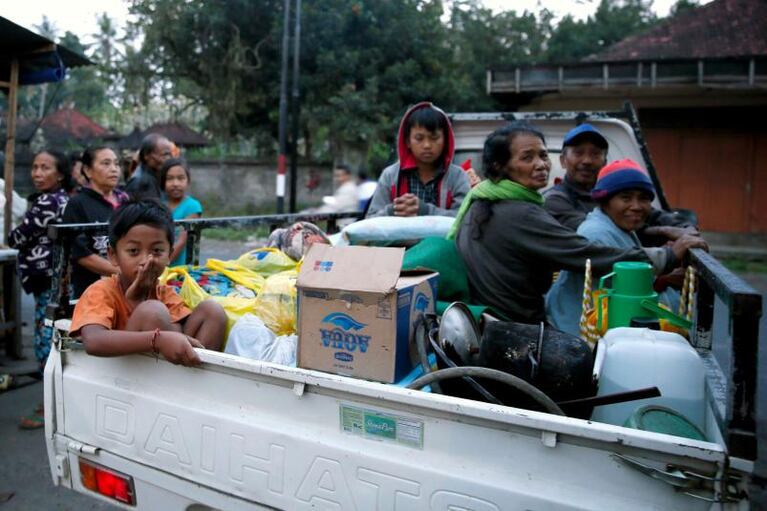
(156, 267)
(143, 285)
(134, 292)
(406, 205)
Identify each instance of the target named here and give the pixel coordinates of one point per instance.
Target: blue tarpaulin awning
(26, 58)
(40, 59)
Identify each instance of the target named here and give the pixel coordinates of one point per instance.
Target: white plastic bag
(251, 338)
(393, 230)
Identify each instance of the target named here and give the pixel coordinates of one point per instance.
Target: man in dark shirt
(145, 182)
(584, 153)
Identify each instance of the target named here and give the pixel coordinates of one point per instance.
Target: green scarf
(504, 189)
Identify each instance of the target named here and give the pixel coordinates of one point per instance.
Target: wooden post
(10, 143)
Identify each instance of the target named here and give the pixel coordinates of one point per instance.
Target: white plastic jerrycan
(635, 358)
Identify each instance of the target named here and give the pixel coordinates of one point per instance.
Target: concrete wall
(245, 186)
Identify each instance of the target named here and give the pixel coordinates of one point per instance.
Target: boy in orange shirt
(131, 312)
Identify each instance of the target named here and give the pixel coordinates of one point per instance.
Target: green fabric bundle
(439, 254)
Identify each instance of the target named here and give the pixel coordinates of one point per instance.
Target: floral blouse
(31, 239)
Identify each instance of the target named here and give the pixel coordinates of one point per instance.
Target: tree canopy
(216, 64)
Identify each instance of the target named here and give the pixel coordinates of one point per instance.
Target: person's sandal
(34, 421)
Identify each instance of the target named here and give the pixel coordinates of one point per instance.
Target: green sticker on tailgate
(382, 426)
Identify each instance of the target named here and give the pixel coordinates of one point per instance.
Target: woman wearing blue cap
(623, 193)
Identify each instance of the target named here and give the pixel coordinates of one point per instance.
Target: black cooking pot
(559, 364)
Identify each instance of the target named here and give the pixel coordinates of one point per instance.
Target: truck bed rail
(744, 306)
(61, 233)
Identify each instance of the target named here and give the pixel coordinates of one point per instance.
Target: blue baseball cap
(585, 131)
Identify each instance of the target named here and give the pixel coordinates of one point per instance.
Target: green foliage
(219, 53)
(85, 87)
(380, 155)
(363, 62)
(482, 40)
(613, 20)
(682, 6)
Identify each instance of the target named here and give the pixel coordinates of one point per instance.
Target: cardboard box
(356, 311)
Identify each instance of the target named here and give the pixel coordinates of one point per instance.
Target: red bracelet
(155, 335)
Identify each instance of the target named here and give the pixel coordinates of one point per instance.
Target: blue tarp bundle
(49, 70)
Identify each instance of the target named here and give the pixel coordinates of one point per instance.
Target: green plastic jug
(631, 283)
(632, 296)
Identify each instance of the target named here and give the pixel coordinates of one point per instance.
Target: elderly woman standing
(52, 181)
(94, 203)
(511, 246)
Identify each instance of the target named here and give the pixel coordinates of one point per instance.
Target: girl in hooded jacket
(424, 181)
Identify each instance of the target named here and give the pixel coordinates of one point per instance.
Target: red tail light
(107, 482)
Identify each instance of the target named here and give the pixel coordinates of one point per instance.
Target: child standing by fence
(174, 180)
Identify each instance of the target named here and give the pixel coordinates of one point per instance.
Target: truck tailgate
(296, 439)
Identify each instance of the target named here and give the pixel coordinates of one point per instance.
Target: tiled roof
(722, 28)
(132, 140)
(68, 123)
(62, 128)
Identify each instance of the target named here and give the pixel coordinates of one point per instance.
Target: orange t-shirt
(104, 303)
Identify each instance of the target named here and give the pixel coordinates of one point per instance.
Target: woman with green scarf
(510, 244)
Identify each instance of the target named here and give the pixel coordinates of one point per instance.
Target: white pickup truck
(242, 434)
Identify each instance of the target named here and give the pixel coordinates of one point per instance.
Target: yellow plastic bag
(266, 261)
(238, 274)
(276, 303)
(192, 295)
